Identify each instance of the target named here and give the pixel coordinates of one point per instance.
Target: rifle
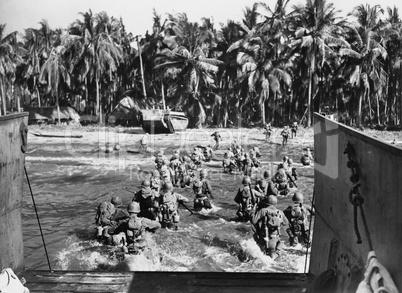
(186, 207)
(291, 179)
(125, 188)
(252, 195)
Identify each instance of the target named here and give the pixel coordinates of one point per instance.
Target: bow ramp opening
(357, 190)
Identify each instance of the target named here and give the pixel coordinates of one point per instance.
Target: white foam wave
(214, 209)
(252, 249)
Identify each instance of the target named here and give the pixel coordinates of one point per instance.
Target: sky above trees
(137, 15)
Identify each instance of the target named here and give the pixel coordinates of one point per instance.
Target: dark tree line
(278, 64)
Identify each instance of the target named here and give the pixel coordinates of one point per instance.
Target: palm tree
(364, 58)
(106, 52)
(394, 64)
(191, 73)
(153, 44)
(313, 25)
(100, 53)
(187, 66)
(32, 70)
(53, 72)
(259, 60)
(228, 81)
(7, 64)
(274, 29)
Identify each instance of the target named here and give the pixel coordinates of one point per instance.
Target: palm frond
(349, 53)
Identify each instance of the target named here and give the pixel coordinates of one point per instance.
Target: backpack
(205, 188)
(305, 160)
(273, 219)
(135, 228)
(165, 213)
(242, 194)
(297, 212)
(197, 186)
(280, 176)
(104, 213)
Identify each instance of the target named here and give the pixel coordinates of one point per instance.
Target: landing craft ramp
(377, 167)
(334, 244)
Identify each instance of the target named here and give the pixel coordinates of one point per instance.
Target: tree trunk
(359, 110)
(37, 92)
(400, 94)
(273, 108)
(58, 107)
(225, 115)
(163, 96)
(19, 99)
(142, 69)
(378, 109)
(3, 98)
(310, 89)
(97, 111)
(263, 112)
(290, 105)
(86, 96)
(390, 98)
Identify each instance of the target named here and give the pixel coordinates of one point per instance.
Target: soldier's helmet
(197, 183)
(272, 200)
(133, 207)
(246, 180)
(297, 197)
(203, 173)
(116, 201)
(167, 187)
(146, 183)
(262, 183)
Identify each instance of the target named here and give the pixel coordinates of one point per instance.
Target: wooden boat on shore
(163, 121)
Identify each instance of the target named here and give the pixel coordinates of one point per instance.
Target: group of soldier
(259, 206)
(155, 204)
(285, 133)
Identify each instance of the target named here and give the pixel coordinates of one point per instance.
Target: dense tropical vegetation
(279, 64)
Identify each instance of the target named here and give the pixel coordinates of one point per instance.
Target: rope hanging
(355, 197)
(37, 217)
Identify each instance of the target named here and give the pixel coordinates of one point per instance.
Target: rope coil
(355, 197)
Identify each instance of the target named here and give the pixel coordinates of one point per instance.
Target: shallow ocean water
(68, 187)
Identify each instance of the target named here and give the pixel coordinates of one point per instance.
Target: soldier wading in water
(168, 204)
(202, 189)
(246, 199)
(266, 222)
(134, 228)
(297, 217)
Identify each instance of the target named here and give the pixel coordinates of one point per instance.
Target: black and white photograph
(200, 146)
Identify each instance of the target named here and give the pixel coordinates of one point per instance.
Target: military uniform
(297, 216)
(285, 135)
(246, 198)
(148, 200)
(168, 205)
(217, 137)
(266, 222)
(294, 129)
(202, 190)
